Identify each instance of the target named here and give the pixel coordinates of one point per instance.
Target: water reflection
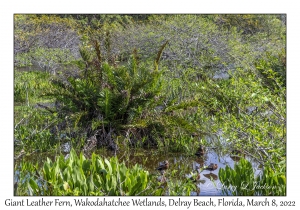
(180, 166)
(185, 167)
(211, 176)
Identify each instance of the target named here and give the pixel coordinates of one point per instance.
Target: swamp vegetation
(100, 101)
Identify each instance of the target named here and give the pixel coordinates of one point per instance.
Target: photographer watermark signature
(243, 186)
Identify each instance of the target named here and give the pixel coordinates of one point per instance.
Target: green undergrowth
(153, 81)
(29, 86)
(77, 176)
(241, 181)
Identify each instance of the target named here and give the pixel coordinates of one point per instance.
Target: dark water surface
(209, 183)
(181, 165)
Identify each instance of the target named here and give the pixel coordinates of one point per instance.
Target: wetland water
(180, 167)
(209, 183)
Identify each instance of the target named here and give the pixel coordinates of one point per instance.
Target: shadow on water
(180, 165)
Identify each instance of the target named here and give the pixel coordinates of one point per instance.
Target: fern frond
(158, 56)
(105, 103)
(183, 105)
(77, 118)
(176, 121)
(85, 55)
(98, 51)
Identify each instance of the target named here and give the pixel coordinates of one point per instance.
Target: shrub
(106, 98)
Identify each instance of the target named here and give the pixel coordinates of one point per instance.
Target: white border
(8, 8)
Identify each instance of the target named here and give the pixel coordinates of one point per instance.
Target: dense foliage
(162, 81)
(80, 176)
(76, 175)
(242, 177)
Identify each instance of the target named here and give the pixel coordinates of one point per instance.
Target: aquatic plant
(80, 176)
(242, 181)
